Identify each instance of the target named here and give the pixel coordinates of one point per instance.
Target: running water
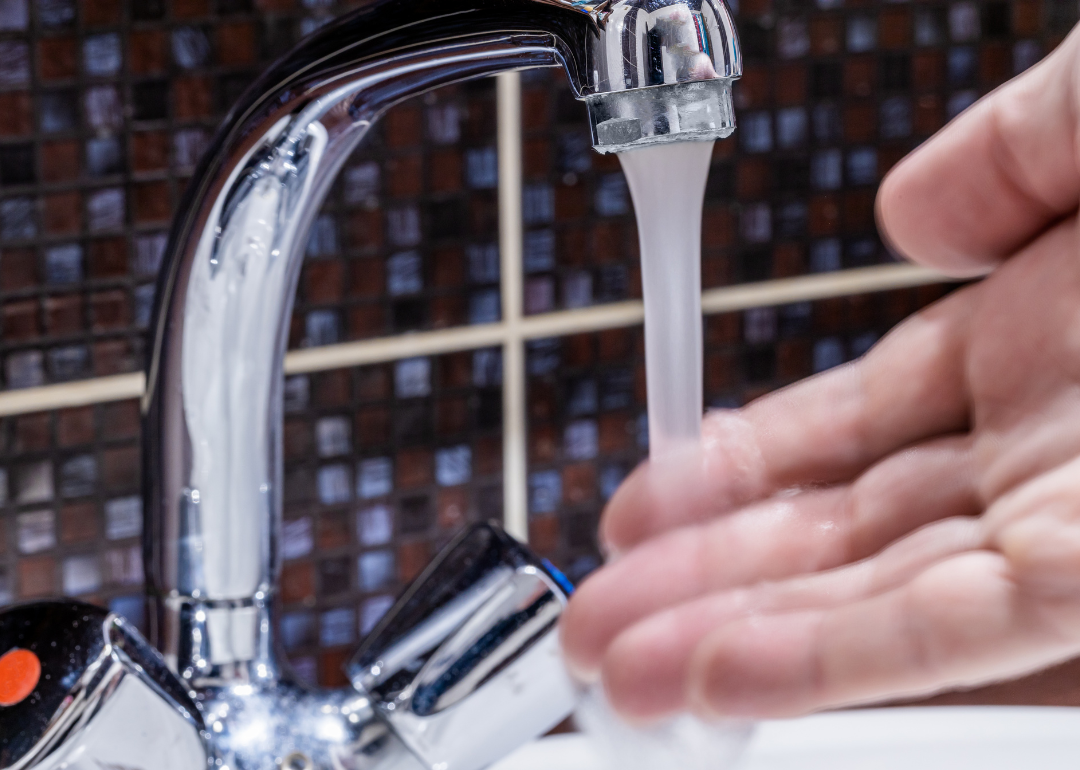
(667, 183)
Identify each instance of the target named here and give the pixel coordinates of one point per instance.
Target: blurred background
(105, 108)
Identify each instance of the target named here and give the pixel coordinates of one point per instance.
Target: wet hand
(906, 523)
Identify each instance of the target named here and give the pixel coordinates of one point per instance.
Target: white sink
(938, 738)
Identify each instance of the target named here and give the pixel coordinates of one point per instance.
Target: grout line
(379, 349)
(82, 393)
(726, 299)
(511, 236)
(784, 291)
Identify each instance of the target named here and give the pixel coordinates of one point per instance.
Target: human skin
(901, 525)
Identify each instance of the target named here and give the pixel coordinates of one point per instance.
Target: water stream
(667, 184)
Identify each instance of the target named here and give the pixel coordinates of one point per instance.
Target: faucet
(465, 666)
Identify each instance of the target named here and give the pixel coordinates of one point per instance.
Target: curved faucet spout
(213, 406)
(650, 70)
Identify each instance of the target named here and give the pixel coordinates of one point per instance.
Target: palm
(904, 524)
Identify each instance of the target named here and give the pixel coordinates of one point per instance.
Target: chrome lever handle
(466, 666)
(102, 696)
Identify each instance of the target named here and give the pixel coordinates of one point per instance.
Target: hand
(903, 524)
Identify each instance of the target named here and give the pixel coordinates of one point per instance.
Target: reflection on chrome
(465, 667)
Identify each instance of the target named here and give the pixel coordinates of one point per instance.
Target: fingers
(961, 622)
(993, 178)
(783, 536)
(646, 668)
(933, 611)
(970, 619)
(824, 430)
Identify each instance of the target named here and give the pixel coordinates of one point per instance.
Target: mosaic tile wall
(409, 237)
(383, 464)
(105, 108)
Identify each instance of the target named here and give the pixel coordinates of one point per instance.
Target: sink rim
(916, 728)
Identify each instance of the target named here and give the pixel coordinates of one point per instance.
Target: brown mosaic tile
(148, 51)
(579, 483)
(414, 468)
(236, 44)
(108, 258)
(79, 523)
(33, 433)
(334, 531)
(324, 280)
(332, 668)
(453, 507)
(330, 389)
(64, 314)
(150, 151)
(115, 356)
(405, 175)
(120, 469)
(298, 583)
(100, 12)
(75, 426)
(403, 127)
(20, 320)
(372, 427)
(544, 534)
(119, 420)
(412, 558)
(445, 171)
(190, 9)
(62, 213)
(110, 310)
(192, 97)
(152, 203)
(16, 114)
(58, 58)
(60, 161)
(37, 577)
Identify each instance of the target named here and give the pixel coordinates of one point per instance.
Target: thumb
(995, 177)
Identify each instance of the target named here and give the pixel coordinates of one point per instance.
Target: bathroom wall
(104, 108)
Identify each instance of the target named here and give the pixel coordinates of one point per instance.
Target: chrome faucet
(465, 666)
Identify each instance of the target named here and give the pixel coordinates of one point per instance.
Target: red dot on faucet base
(20, 671)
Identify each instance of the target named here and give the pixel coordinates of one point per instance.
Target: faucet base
(284, 725)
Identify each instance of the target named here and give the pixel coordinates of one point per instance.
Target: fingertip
(624, 520)
(575, 638)
(649, 500)
(885, 208)
(900, 210)
(583, 675)
(641, 675)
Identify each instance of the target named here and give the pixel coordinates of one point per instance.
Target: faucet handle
(84, 690)
(466, 666)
